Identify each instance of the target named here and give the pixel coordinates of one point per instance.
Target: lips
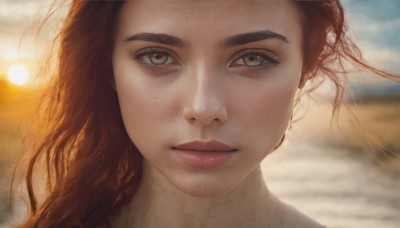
(200, 154)
(205, 146)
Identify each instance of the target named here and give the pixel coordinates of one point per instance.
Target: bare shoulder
(294, 218)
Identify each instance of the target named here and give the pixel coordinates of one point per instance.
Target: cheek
(267, 101)
(276, 104)
(146, 117)
(264, 110)
(145, 106)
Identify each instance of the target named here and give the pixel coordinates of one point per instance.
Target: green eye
(155, 57)
(253, 60)
(158, 58)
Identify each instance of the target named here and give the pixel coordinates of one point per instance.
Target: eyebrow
(250, 37)
(157, 38)
(235, 40)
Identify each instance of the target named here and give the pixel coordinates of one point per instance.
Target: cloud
(375, 21)
(381, 10)
(375, 25)
(18, 15)
(384, 58)
(384, 33)
(19, 27)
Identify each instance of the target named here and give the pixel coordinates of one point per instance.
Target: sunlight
(10, 55)
(18, 74)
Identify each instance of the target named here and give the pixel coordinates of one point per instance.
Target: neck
(249, 205)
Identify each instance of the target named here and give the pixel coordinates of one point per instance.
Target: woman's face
(206, 88)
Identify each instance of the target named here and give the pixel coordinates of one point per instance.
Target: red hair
(93, 168)
(327, 48)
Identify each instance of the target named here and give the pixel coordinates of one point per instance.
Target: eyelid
(149, 50)
(269, 55)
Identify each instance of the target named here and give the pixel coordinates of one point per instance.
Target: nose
(205, 101)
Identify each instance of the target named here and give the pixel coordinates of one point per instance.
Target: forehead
(208, 19)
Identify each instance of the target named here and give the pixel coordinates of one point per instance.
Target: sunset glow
(18, 74)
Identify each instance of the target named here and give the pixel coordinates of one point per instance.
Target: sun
(18, 74)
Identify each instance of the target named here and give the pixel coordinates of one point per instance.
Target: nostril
(191, 120)
(204, 115)
(194, 120)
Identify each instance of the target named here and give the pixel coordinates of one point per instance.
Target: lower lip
(204, 159)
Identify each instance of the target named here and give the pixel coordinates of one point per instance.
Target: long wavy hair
(91, 166)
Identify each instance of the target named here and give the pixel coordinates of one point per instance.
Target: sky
(16, 18)
(374, 25)
(18, 22)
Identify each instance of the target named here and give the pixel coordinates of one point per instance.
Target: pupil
(159, 59)
(253, 60)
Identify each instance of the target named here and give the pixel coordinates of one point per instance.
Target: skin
(204, 90)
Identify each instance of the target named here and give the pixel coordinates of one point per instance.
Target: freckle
(155, 98)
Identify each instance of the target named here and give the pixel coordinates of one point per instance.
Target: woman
(161, 111)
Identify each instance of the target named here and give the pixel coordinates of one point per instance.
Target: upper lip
(204, 146)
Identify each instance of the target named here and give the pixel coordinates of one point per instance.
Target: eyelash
(267, 57)
(147, 52)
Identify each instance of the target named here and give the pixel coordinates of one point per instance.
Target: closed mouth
(205, 146)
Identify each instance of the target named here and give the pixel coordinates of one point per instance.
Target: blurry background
(339, 178)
